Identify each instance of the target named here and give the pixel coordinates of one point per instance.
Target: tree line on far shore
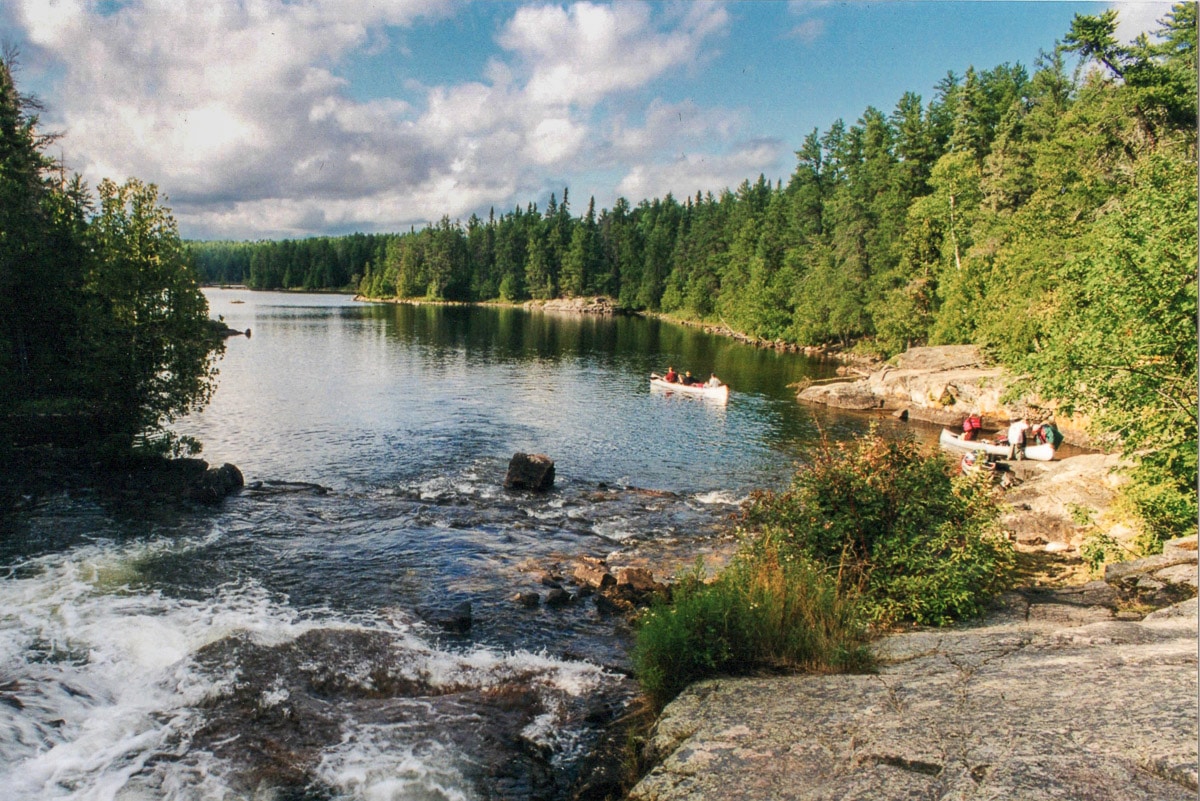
(1048, 217)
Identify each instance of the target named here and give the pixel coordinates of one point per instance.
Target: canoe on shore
(954, 442)
(720, 393)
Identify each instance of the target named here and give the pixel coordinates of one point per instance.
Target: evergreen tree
(40, 258)
(582, 262)
(539, 266)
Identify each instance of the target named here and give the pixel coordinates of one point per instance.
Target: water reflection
(335, 391)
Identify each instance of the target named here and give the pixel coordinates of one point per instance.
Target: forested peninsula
(1047, 216)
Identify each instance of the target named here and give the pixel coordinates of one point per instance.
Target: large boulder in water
(531, 471)
(216, 483)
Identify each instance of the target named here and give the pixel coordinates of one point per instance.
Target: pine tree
(37, 304)
(582, 260)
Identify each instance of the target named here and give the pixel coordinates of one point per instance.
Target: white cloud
(235, 108)
(581, 54)
(214, 100)
(671, 127)
(554, 140)
(1138, 16)
(809, 29)
(703, 172)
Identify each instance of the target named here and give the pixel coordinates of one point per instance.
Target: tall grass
(767, 611)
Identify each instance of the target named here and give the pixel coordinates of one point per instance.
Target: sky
(271, 119)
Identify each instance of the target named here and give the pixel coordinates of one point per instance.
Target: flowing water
(292, 642)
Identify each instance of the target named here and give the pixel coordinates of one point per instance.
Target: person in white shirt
(1017, 432)
(713, 381)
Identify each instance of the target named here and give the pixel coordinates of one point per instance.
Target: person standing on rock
(1017, 432)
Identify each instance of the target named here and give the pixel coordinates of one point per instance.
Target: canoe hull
(954, 442)
(720, 394)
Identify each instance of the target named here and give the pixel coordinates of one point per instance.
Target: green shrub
(1098, 549)
(919, 544)
(769, 610)
(1162, 493)
(873, 531)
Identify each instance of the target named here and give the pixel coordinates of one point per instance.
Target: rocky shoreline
(590, 305)
(46, 470)
(1057, 694)
(943, 385)
(1069, 688)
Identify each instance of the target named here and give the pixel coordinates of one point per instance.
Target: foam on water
(100, 691)
(369, 765)
(719, 497)
(617, 529)
(98, 674)
(483, 667)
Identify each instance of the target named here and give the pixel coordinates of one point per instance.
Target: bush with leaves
(1121, 346)
(154, 352)
(917, 542)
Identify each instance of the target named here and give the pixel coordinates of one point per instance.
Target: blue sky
(290, 118)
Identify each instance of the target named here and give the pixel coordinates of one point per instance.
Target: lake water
(288, 643)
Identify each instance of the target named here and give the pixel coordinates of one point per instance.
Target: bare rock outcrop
(1054, 697)
(1060, 502)
(940, 385)
(599, 305)
(843, 395)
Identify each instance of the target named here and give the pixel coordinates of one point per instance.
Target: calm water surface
(288, 644)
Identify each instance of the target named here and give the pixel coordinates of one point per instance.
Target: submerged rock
(293, 706)
(457, 619)
(593, 573)
(527, 599)
(638, 581)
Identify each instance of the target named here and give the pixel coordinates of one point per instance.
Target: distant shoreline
(598, 305)
(291, 291)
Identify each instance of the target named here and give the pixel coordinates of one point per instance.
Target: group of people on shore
(688, 380)
(1020, 434)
